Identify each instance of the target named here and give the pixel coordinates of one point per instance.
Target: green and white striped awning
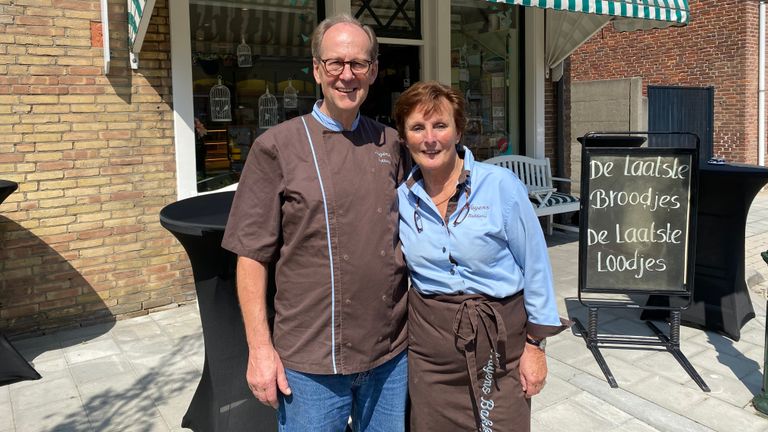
(139, 14)
(670, 11)
(570, 23)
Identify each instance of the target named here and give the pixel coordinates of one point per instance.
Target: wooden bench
(536, 174)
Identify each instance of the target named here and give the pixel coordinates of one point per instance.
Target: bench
(536, 174)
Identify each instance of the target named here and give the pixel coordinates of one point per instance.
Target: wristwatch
(538, 343)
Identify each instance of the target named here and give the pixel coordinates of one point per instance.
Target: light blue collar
(329, 122)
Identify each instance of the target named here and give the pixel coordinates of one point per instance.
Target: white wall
(604, 106)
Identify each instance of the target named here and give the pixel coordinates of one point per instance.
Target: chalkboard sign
(637, 220)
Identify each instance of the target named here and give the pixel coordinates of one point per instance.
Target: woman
(482, 300)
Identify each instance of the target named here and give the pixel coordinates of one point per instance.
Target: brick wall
(719, 47)
(550, 121)
(94, 158)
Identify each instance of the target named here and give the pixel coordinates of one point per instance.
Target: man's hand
(533, 370)
(266, 375)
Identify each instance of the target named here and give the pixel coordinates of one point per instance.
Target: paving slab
(172, 409)
(53, 388)
(6, 411)
(581, 413)
(99, 368)
(646, 411)
(65, 415)
(555, 391)
(90, 350)
(724, 417)
(737, 392)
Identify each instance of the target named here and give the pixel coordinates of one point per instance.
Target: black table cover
(13, 367)
(222, 401)
(6, 188)
(721, 300)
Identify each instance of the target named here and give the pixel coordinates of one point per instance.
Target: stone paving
(140, 374)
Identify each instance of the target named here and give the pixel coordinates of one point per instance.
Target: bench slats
(536, 174)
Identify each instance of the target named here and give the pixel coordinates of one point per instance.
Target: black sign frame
(590, 334)
(686, 285)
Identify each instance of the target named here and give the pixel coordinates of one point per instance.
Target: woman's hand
(533, 370)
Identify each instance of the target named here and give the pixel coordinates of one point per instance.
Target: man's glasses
(335, 67)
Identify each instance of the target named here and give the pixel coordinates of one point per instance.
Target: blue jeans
(324, 403)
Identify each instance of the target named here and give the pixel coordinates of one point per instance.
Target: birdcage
(267, 110)
(290, 96)
(221, 109)
(244, 58)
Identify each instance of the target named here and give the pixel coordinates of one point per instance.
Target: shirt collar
(464, 178)
(328, 122)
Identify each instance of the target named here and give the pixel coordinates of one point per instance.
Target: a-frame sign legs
(590, 338)
(671, 344)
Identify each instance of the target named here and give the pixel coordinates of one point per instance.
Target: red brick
(717, 48)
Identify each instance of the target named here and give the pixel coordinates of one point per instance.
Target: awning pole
(139, 14)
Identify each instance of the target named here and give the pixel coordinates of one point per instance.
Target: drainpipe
(560, 140)
(761, 90)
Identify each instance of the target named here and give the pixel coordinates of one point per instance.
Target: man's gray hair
(319, 33)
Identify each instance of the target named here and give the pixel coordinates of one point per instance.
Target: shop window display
(485, 63)
(259, 51)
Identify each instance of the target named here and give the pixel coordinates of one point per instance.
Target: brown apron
(464, 353)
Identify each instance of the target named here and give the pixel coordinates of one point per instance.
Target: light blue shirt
(329, 122)
(497, 250)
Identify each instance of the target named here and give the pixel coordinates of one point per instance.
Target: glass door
(399, 67)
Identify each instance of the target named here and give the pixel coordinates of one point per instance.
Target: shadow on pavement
(561, 237)
(134, 403)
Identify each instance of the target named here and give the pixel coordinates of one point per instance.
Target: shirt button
(443, 250)
(346, 257)
(384, 298)
(378, 209)
(348, 345)
(383, 253)
(348, 301)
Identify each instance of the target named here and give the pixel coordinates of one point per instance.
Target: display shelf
(216, 150)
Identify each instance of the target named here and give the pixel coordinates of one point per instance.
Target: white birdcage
(290, 96)
(221, 109)
(244, 58)
(267, 110)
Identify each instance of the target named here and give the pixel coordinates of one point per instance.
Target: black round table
(13, 366)
(222, 401)
(721, 301)
(6, 188)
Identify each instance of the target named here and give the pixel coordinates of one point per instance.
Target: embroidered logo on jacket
(478, 211)
(384, 158)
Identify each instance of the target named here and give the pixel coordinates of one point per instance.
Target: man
(317, 199)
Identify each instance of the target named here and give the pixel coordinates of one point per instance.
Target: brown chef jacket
(325, 210)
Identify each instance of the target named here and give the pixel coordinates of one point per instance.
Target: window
(251, 69)
(390, 18)
(485, 63)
